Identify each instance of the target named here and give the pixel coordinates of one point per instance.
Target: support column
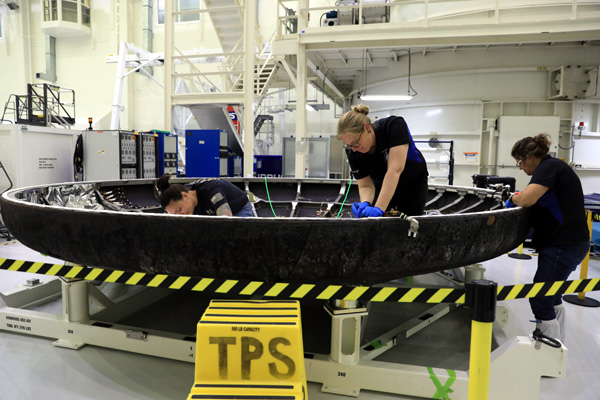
(168, 67)
(119, 82)
(249, 66)
(75, 301)
(127, 97)
(345, 335)
(301, 144)
(28, 74)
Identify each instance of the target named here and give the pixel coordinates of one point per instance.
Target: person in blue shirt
(390, 171)
(554, 197)
(208, 196)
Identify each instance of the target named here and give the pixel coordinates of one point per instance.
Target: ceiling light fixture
(386, 97)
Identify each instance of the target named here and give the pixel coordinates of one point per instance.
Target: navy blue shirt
(558, 217)
(214, 192)
(390, 132)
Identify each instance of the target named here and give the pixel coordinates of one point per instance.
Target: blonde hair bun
(361, 108)
(353, 121)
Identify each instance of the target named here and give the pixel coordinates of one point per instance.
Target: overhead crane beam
(440, 32)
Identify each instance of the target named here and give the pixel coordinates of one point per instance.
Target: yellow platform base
(250, 349)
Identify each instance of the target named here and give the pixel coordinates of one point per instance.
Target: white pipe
(28, 37)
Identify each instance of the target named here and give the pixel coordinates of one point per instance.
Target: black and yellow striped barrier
(296, 290)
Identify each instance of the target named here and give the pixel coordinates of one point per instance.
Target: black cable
(410, 88)
(540, 337)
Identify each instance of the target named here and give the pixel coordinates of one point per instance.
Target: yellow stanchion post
(481, 296)
(519, 254)
(580, 298)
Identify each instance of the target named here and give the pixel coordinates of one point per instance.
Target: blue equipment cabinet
(269, 166)
(206, 153)
(167, 153)
(235, 166)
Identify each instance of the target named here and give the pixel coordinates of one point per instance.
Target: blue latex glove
(357, 208)
(509, 203)
(370, 212)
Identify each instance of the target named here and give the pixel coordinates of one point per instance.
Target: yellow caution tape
(298, 291)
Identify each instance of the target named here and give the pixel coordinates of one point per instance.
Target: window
(179, 5)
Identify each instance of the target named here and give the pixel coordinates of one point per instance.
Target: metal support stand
(345, 332)
(514, 370)
(74, 327)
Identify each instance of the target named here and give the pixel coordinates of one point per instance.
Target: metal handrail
(7, 177)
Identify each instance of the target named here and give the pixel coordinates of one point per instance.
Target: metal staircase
(15, 107)
(259, 122)
(228, 20)
(209, 81)
(44, 105)
(264, 77)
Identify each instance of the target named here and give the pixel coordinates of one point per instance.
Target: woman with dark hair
(561, 236)
(390, 171)
(208, 196)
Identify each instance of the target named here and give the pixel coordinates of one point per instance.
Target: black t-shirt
(558, 217)
(213, 193)
(390, 132)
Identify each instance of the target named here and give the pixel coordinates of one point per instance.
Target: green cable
(269, 197)
(341, 207)
(344, 202)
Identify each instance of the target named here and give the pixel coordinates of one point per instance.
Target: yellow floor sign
(251, 349)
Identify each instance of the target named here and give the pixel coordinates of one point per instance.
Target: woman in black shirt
(208, 196)
(390, 171)
(555, 199)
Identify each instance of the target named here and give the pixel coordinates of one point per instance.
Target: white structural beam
(140, 59)
(190, 99)
(118, 94)
(394, 35)
(329, 82)
(301, 88)
(168, 70)
(249, 65)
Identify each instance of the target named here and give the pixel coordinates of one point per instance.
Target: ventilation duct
(50, 74)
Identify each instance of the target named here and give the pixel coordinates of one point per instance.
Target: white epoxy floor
(31, 368)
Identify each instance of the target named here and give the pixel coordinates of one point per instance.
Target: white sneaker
(560, 317)
(549, 328)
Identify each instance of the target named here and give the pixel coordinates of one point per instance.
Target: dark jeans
(555, 263)
(246, 211)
